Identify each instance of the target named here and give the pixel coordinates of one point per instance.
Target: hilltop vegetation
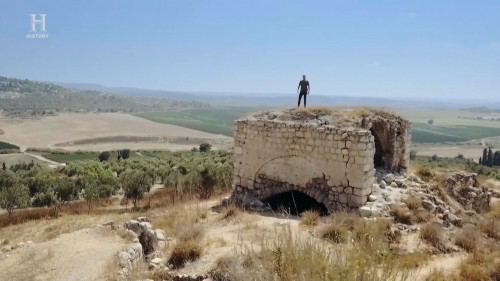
(196, 173)
(26, 97)
(6, 147)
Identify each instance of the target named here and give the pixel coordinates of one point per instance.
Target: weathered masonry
(330, 155)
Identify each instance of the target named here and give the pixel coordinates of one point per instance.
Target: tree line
(199, 172)
(490, 158)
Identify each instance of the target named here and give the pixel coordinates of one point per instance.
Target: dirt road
(77, 256)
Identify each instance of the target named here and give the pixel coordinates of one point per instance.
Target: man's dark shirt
(303, 86)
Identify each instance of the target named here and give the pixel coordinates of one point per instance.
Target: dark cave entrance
(295, 202)
(378, 160)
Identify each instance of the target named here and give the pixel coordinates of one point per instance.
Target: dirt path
(447, 263)
(77, 256)
(51, 163)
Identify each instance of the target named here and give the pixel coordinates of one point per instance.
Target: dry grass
(469, 238)
(289, 255)
(494, 211)
(179, 220)
(230, 212)
(474, 272)
(379, 229)
(71, 208)
(413, 202)
(48, 229)
(491, 222)
(184, 252)
(437, 275)
(423, 216)
(340, 115)
(165, 197)
(337, 230)
(481, 265)
(425, 173)
(491, 227)
(401, 214)
(334, 232)
(433, 234)
(413, 260)
(191, 233)
(310, 218)
(183, 224)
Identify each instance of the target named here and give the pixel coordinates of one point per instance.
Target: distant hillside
(286, 99)
(27, 97)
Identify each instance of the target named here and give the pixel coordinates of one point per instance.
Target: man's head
(304, 77)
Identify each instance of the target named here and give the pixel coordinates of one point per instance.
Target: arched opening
(378, 158)
(295, 202)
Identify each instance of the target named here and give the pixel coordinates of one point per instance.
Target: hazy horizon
(423, 50)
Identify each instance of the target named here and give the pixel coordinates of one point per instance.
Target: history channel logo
(38, 27)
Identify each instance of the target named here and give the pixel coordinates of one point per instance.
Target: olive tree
(12, 193)
(134, 184)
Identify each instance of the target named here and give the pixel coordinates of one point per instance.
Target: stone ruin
(328, 154)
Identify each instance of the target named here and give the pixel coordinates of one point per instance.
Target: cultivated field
(107, 131)
(216, 120)
(449, 125)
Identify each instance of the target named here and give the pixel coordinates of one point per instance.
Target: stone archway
(381, 147)
(295, 202)
(293, 173)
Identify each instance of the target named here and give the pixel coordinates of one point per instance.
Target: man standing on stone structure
(303, 90)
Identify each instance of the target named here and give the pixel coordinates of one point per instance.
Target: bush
(334, 232)
(423, 216)
(401, 214)
(425, 173)
(413, 202)
(43, 199)
(369, 231)
(206, 187)
(309, 218)
(230, 212)
(468, 238)
(185, 252)
(123, 154)
(205, 147)
(104, 156)
(491, 227)
(433, 234)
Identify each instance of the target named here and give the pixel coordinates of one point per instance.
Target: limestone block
(357, 201)
(362, 191)
(348, 190)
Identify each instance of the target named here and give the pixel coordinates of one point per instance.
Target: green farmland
(67, 157)
(215, 120)
(448, 125)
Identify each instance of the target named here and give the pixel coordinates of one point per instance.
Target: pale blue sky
(425, 48)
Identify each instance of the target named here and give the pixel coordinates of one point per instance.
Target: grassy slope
(6, 145)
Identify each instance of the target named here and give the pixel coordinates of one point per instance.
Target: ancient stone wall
(332, 164)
